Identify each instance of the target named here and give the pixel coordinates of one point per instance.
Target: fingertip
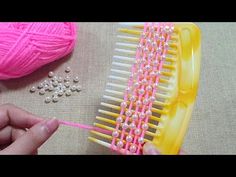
(150, 149)
(52, 125)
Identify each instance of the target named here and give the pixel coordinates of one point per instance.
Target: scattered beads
(55, 99)
(68, 92)
(47, 100)
(73, 88)
(50, 74)
(68, 69)
(42, 92)
(57, 87)
(33, 89)
(76, 79)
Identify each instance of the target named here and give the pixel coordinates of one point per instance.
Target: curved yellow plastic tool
(178, 89)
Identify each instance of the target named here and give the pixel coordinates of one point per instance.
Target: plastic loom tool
(152, 87)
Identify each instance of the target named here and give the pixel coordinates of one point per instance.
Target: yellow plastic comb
(176, 91)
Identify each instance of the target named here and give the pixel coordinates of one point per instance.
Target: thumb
(150, 149)
(33, 138)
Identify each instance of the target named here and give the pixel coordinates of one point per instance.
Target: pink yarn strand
(83, 126)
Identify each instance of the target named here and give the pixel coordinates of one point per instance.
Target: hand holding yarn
(21, 132)
(25, 47)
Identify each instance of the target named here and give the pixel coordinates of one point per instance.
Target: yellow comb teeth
(175, 96)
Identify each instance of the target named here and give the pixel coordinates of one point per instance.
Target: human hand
(150, 149)
(22, 132)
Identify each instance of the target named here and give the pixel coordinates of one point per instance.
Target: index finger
(12, 115)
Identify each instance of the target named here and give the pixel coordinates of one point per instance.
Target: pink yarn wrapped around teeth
(25, 47)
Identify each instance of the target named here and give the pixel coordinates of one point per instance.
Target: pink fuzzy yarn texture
(25, 47)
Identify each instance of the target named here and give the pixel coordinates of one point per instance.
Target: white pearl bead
(148, 113)
(145, 101)
(67, 84)
(137, 131)
(47, 100)
(60, 79)
(150, 55)
(166, 45)
(60, 92)
(152, 98)
(68, 69)
(129, 138)
(141, 140)
(132, 98)
(162, 38)
(55, 99)
(141, 91)
(159, 49)
(143, 35)
(133, 148)
(42, 91)
(149, 88)
(68, 92)
(139, 47)
(158, 73)
(55, 93)
(55, 83)
(128, 89)
(167, 28)
(136, 84)
(40, 85)
(67, 78)
(147, 67)
(134, 116)
(123, 104)
(125, 126)
(146, 49)
(149, 41)
(132, 126)
(115, 134)
(50, 74)
(140, 71)
(155, 63)
(163, 57)
(154, 44)
(138, 103)
(33, 89)
(54, 78)
(141, 115)
(78, 88)
(119, 119)
(73, 88)
(145, 126)
(50, 88)
(156, 36)
(144, 81)
(76, 79)
(46, 87)
(128, 113)
(120, 144)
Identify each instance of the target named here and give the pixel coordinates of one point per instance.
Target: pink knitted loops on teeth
(25, 47)
(83, 126)
(132, 123)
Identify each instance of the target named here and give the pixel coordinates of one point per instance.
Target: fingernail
(51, 125)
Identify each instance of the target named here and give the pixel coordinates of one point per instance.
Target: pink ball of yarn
(25, 47)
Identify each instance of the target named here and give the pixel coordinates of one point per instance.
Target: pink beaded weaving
(139, 96)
